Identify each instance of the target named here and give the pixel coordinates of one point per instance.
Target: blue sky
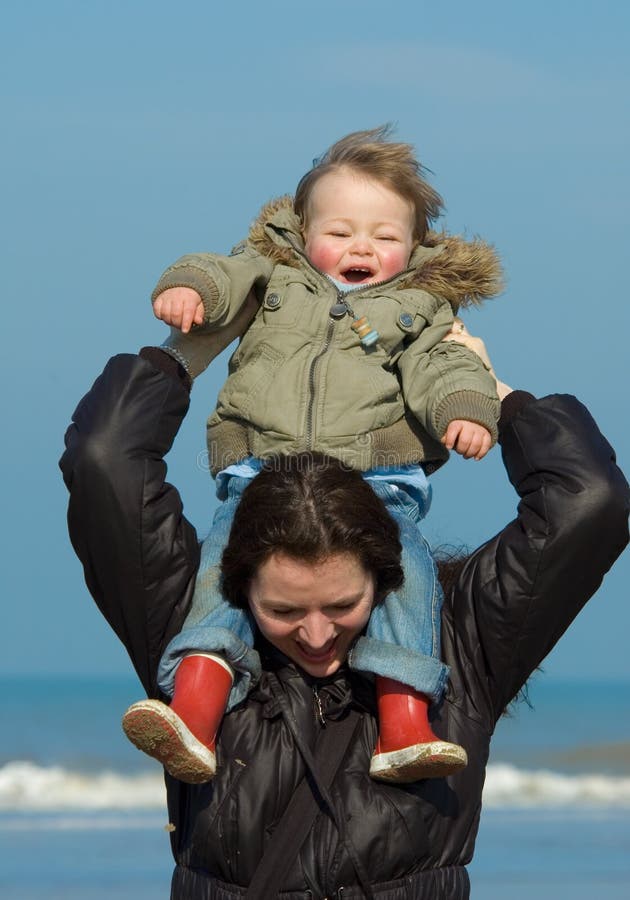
(134, 132)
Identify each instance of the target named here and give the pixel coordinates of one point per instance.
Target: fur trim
(465, 273)
(276, 211)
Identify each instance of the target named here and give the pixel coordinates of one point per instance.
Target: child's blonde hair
(373, 155)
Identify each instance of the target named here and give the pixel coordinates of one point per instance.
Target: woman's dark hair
(310, 506)
(449, 562)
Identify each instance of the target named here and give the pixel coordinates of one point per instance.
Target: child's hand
(179, 306)
(467, 438)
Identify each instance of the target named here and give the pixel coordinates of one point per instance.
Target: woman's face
(312, 612)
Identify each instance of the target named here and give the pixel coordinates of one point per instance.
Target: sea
(83, 815)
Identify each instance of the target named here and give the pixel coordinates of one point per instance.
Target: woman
(293, 809)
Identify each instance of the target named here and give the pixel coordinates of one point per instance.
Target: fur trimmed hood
(465, 273)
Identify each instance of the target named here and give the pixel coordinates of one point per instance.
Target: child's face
(358, 231)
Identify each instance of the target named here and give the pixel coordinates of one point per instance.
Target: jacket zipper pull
(367, 334)
(319, 709)
(360, 325)
(338, 310)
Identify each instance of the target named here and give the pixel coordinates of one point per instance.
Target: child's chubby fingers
(474, 441)
(192, 314)
(179, 307)
(486, 443)
(157, 307)
(470, 440)
(467, 444)
(452, 433)
(163, 308)
(173, 312)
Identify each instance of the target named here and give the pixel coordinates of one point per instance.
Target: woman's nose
(317, 631)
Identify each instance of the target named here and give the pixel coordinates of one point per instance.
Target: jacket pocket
(383, 387)
(286, 300)
(243, 389)
(399, 317)
(215, 838)
(388, 829)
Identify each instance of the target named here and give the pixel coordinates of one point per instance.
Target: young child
(351, 295)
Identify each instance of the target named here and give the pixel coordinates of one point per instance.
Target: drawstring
(311, 765)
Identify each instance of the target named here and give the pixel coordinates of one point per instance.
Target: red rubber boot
(407, 749)
(182, 736)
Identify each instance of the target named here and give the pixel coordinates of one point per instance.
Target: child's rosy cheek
(324, 257)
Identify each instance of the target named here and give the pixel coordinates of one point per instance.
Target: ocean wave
(28, 788)
(506, 786)
(82, 821)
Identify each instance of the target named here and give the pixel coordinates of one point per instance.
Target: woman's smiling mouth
(318, 656)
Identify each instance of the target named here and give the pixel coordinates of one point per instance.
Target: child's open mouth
(357, 274)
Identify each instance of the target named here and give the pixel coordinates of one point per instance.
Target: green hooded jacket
(300, 378)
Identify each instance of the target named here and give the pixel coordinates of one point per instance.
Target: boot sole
(433, 760)
(160, 733)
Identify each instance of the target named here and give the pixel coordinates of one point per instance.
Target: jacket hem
(230, 441)
(445, 883)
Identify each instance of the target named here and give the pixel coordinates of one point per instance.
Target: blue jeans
(402, 639)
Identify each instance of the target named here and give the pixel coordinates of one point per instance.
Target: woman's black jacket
(513, 600)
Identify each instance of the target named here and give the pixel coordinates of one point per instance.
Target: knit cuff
(167, 362)
(191, 277)
(471, 406)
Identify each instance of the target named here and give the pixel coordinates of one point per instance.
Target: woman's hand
(460, 334)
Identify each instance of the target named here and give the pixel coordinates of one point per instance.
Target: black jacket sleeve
(139, 554)
(517, 594)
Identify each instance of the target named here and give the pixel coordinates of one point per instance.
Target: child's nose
(362, 245)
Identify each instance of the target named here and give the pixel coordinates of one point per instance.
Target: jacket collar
(336, 692)
(465, 273)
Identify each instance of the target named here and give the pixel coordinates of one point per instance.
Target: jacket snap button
(273, 300)
(406, 320)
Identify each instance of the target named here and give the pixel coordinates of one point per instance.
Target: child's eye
(340, 234)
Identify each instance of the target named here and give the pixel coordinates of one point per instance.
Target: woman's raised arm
(139, 554)
(519, 592)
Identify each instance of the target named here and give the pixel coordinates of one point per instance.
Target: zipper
(337, 311)
(319, 709)
(310, 409)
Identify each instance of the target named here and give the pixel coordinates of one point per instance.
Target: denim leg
(213, 625)
(402, 640)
